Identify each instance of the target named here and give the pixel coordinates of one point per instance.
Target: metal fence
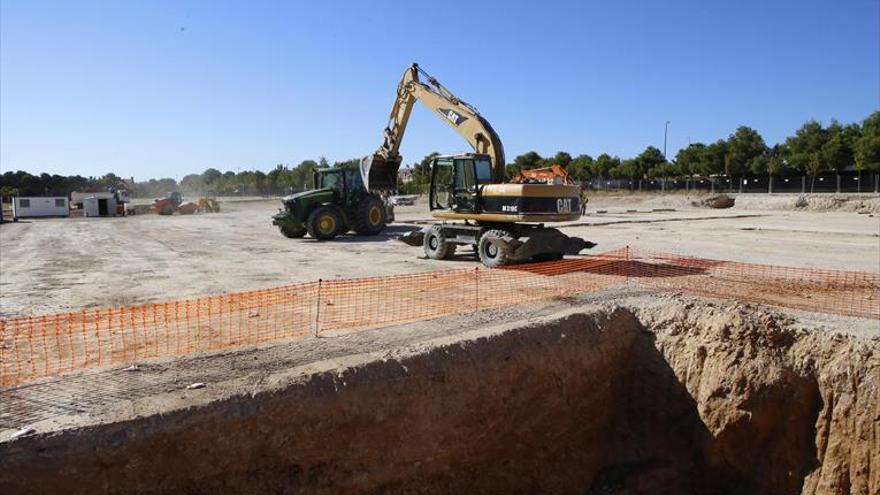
(845, 182)
(34, 347)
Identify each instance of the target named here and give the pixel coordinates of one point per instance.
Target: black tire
(436, 246)
(325, 223)
(368, 217)
(490, 251)
(293, 232)
(548, 257)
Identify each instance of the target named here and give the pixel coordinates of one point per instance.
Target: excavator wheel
(492, 250)
(369, 216)
(436, 245)
(325, 223)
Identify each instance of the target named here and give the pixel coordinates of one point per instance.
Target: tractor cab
(339, 179)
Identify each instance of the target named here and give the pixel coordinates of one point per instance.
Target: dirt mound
(860, 203)
(715, 201)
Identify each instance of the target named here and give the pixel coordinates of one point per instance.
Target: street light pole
(665, 133)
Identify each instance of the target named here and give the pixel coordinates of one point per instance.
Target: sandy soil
(597, 394)
(52, 265)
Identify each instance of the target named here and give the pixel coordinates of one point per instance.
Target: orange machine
(547, 175)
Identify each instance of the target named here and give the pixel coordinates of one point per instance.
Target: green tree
(603, 165)
(192, 183)
(745, 146)
(562, 158)
(647, 160)
(581, 167)
(210, 175)
(837, 152)
(689, 161)
(867, 146)
(714, 158)
(525, 161)
(805, 150)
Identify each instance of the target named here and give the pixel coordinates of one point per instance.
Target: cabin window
(484, 171)
(59, 203)
(24, 203)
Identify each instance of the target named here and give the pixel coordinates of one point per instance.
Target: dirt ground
(54, 265)
(616, 392)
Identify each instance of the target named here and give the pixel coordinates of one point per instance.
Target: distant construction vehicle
(338, 203)
(173, 203)
(547, 175)
(167, 205)
(503, 222)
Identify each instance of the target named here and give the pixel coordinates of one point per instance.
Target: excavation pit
(646, 395)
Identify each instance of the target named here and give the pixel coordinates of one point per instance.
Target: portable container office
(99, 207)
(34, 207)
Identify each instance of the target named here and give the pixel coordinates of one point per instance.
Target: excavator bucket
(379, 173)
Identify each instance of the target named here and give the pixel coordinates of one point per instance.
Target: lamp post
(665, 133)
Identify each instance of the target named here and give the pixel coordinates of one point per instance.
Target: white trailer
(99, 207)
(34, 207)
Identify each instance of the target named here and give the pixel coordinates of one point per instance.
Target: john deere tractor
(338, 203)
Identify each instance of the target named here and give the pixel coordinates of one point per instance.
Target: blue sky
(154, 89)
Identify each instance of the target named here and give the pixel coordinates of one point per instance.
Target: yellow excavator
(502, 221)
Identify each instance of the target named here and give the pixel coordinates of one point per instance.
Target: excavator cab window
(483, 170)
(465, 185)
(465, 179)
(442, 184)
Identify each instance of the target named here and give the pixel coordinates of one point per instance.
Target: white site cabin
(40, 207)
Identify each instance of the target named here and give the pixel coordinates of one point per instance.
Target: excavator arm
(379, 170)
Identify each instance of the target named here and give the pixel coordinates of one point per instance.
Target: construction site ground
(63, 264)
(613, 389)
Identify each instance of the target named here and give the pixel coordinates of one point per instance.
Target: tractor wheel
(436, 245)
(369, 216)
(490, 249)
(325, 223)
(293, 232)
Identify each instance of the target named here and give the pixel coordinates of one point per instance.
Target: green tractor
(338, 203)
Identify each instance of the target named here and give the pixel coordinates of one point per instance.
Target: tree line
(814, 149)
(282, 179)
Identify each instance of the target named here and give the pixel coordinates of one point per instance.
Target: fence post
(477, 287)
(318, 309)
(803, 184)
(3, 346)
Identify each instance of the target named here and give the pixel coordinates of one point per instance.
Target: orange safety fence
(34, 347)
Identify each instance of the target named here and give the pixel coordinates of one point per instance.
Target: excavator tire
(293, 232)
(369, 216)
(436, 245)
(325, 223)
(491, 250)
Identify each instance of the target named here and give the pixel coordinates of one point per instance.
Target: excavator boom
(379, 170)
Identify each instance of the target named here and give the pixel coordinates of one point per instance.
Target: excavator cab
(456, 181)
